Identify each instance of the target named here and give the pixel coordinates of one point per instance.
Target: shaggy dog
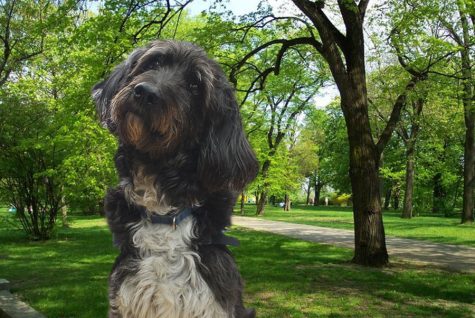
(182, 159)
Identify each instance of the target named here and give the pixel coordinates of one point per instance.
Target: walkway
(454, 257)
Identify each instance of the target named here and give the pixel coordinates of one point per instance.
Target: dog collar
(172, 220)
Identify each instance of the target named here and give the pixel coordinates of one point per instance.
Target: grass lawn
(432, 228)
(67, 277)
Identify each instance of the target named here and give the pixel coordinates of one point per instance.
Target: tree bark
(387, 197)
(408, 195)
(396, 197)
(370, 243)
(469, 173)
(439, 195)
(64, 216)
(64, 210)
(469, 115)
(286, 202)
(309, 188)
(410, 140)
(346, 59)
(317, 188)
(344, 54)
(261, 203)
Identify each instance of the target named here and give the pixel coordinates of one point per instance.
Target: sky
(238, 7)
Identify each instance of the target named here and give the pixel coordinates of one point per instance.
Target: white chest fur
(168, 283)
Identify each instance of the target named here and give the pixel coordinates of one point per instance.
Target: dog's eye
(194, 89)
(153, 65)
(157, 64)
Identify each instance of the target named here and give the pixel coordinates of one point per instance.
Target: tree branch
(362, 6)
(329, 33)
(396, 114)
(265, 20)
(350, 14)
(286, 44)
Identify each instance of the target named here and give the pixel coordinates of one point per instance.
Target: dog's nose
(146, 91)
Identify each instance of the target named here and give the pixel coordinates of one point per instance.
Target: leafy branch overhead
(402, 70)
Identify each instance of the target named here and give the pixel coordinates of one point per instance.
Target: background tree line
(399, 136)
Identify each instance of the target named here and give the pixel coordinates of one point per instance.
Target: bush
(343, 199)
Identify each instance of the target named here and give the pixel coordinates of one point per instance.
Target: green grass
(431, 228)
(63, 277)
(67, 277)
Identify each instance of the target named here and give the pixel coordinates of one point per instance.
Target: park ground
(429, 227)
(67, 276)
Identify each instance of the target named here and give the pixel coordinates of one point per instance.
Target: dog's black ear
(227, 161)
(96, 93)
(103, 92)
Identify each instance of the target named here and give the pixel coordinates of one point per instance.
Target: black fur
(188, 133)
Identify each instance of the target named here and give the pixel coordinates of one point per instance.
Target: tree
(284, 101)
(30, 155)
(466, 13)
(53, 151)
(415, 41)
(306, 152)
(23, 28)
(29, 158)
(434, 132)
(440, 149)
(344, 54)
(454, 23)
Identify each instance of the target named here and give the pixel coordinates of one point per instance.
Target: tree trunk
(438, 195)
(242, 203)
(387, 197)
(64, 210)
(263, 195)
(309, 188)
(468, 172)
(345, 55)
(64, 216)
(456, 194)
(396, 197)
(409, 188)
(272, 200)
(410, 139)
(261, 203)
(318, 188)
(370, 242)
(286, 202)
(469, 115)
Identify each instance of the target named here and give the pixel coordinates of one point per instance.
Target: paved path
(12, 307)
(454, 257)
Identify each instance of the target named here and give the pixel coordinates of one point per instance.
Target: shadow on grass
(300, 270)
(67, 277)
(62, 277)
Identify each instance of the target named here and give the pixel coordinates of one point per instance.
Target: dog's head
(169, 97)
